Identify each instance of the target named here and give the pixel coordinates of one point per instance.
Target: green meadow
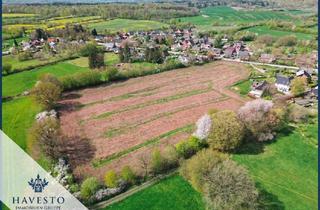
(126, 25)
(223, 15)
(171, 193)
(18, 115)
(264, 30)
(17, 83)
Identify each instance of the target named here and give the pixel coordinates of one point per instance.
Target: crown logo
(38, 184)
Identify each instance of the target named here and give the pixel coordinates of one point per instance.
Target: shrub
(260, 119)
(46, 94)
(299, 86)
(288, 41)
(111, 179)
(227, 131)
(171, 156)
(229, 186)
(188, 147)
(89, 187)
(158, 162)
(50, 78)
(265, 39)
(298, 113)
(74, 188)
(196, 167)
(203, 127)
(6, 68)
(83, 79)
(24, 56)
(128, 175)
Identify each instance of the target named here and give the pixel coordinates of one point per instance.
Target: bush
(298, 114)
(74, 188)
(265, 39)
(158, 162)
(80, 80)
(227, 131)
(287, 41)
(89, 187)
(46, 94)
(50, 78)
(111, 179)
(229, 186)
(128, 175)
(260, 119)
(171, 156)
(202, 163)
(6, 68)
(189, 147)
(299, 86)
(24, 56)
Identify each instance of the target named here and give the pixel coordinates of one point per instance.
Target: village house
(244, 55)
(258, 88)
(304, 73)
(283, 83)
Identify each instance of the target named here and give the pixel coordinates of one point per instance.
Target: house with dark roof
(230, 52)
(258, 88)
(244, 55)
(304, 73)
(283, 83)
(267, 58)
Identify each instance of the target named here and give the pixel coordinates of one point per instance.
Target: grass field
(287, 168)
(109, 59)
(18, 116)
(264, 30)
(19, 82)
(224, 15)
(171, 193)
(126, 25)
(242, 87)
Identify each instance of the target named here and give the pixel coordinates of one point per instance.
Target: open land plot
(126, 25)
(125, 119)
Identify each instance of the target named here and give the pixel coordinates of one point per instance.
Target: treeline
(107, 11)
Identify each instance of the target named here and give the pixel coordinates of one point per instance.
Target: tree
(217, 42)
(171, 156)
(15, 43)
(158, 162)
(128, 175)
(111, 179)
(95, 55)
(46, 94)
(260, 119)
(203, 127)
(299, 86)
(89, 187)
(39, 34)
(229, 186)
(194, 169)
(94, 32)
(144, 160)
(47, 134)
(154, 54)
(287, 41)
(125, 52)
(227, 131)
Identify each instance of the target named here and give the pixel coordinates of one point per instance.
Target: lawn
(19, 82)
(18, 116)
(242, 87)
(109, 59)
(286, 169)
(264, 30)
(172, 193)
(126, 25)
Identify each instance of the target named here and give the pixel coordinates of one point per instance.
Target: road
(265, 64)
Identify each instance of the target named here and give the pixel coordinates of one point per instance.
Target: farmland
(126, 25)
(107, 115)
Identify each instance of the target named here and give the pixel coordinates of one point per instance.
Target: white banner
(26, 185)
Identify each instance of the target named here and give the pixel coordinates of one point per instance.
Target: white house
(283, 84)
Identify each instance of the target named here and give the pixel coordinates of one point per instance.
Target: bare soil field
(125, 120)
